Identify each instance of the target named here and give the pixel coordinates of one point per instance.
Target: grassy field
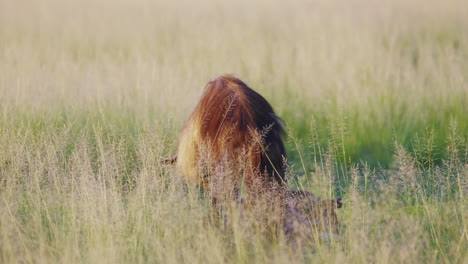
(93, 94)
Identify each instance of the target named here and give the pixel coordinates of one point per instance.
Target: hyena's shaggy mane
(235, 126)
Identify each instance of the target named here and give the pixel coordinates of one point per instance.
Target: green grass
(93, 94)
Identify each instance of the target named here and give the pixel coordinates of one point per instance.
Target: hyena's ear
(338, 202)
(169, 161)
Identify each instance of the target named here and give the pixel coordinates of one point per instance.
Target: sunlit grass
(94, 93)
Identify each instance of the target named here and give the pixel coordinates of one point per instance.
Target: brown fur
(232, 139)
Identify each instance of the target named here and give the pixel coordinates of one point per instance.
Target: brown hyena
(232, 143)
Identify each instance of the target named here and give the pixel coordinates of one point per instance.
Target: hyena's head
(310, 217)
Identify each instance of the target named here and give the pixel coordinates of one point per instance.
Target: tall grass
(94, 93)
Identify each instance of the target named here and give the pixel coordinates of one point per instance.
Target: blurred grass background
(378, 72)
